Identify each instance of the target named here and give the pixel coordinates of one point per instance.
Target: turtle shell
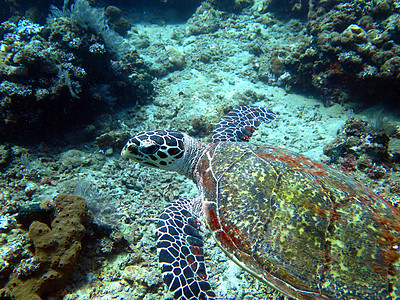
(298, 225)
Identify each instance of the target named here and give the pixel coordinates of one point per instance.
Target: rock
(75, 158)
(112, 139)
(169, 61)
(205, 20)
(394, 149)
(176, 58)
(353, 34)
(391, 67)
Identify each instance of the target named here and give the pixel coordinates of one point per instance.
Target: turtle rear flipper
(239, 124)
(180, 247)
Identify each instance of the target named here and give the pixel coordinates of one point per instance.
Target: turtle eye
(149, 149)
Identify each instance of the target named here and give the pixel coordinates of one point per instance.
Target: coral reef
(65, 72)
(369, 148)
(353, 53)
(56, 251)
(212, 63)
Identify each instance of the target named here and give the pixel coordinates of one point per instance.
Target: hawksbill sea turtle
(301, 227)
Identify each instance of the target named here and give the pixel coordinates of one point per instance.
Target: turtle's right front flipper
(180, 247)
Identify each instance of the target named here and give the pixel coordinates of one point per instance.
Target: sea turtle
(302, 227)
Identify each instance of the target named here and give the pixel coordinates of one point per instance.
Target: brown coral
(56, 250)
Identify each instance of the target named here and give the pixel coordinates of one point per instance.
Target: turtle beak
(130, 150)
(125, 152)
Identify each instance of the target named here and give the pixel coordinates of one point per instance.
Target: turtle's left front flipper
(180, 247)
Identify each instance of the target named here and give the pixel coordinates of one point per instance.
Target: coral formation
(353, 53)
(56, 251)
(365, 147)
(64, 72)
(82, 14)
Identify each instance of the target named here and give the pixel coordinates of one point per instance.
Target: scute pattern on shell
(304, 223)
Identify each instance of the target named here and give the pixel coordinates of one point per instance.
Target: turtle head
(164, 149)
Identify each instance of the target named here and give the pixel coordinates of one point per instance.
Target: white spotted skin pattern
(164, 149)
(158, 148)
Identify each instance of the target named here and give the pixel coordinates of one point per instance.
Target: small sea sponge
(116, 21)
(113, 13)
(5, 155)
(276, 65)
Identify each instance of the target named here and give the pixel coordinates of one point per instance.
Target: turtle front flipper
(180, 247)
(239, 124)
